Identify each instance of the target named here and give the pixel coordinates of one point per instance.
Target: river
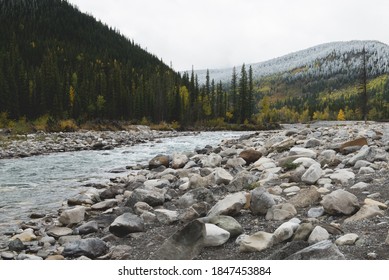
(42, 183)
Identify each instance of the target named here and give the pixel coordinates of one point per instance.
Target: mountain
(58, 61)
(326, 60)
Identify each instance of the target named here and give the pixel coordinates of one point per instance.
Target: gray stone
(305, 161)
(366, 170)
(197, 181)
(22, 257)
(316, 212)
(7, 255)
(259, 241)
(365, 153)
(366, 212)
(125, 224)
(344, 177)
(179, 160)
(312, 142)
(347, 239)
(72, 216)
(153, 196)
(222, 176)
(361, 163)
(283, 145)
(88, 227)
(387, 240)
(327, 156)
(194, 196)
(68, 239)
(213, 160)
(90, 247)
(250, 156)
(318, 234)
(230, 205)
(302, 152)
(16, 245)
(141, 207)
(25, 236)
(59, 231)
(260, 201)
(215, 236)
(313, 174)
(185, 244)
(104, 205)
(303, 231)
(285, 230)
(227, 223)
(111, 192)
(360, 186)
(159, 161)
(241, 181)
(165, 216)
(324, 250)
(235, 162)
(47, 240)
(281, 212)
(340, 202)
(305, 197)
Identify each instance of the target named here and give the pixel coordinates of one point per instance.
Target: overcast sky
(225, 33)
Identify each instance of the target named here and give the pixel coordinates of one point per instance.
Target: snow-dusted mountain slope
(323, 60)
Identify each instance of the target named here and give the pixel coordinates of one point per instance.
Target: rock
(111, 192)
(347, 239)
(126, 224)
(360, 186)
(215, 236)
(359, 142)
(250, 156)
(316, 212)
(159, 161)
(16, 245)
(212, 161)
(148, 217)
(281, 212)
(235, 162)
(222, 176)
(285, 230)
(227, 223)
(185, 244)
(47, 240)
(121, 252)
(366, 153)
(179, 160)
(344, 177)
(22, 257)
(327, 157)
(26, 236)
(90, 247)
(313, 174)
(305, 161)
(68, 239)
(287, 250)
(302, 152)
(241, 181)
(165, 216)
(257, 242)
(141, 207)
(318, 234)
(387, 240)
(194, 196)
(104, 205)
(260, 201)
(7, 255)
(312, 142)
(324, 250)
(361, 163)
(88, 227)
(72, 216)
(303, 231)
(80, 199)
(369, 201)
(57, 232)
(283, 145)
(366, 170)
(305, 197)
(55, 258)
(230, 205)
(152, 196)
(340, 202)
(197, 181)
(366, 212)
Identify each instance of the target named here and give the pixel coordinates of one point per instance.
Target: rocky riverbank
(297, 193)
(12, 146)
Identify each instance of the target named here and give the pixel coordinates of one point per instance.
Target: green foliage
(289, 165)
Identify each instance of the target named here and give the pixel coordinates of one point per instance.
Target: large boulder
(340, 202)
(250, 155)
(158, 161)
(323, 250)
(260, 201)
(72, 216)
(230, 205)
(152, 196)
(90, 247)
(126, 224)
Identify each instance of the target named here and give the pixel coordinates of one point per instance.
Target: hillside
(57, 61)
(326, 60)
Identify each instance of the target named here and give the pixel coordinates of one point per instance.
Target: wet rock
(347, 239)
(16, 245)
(324, 250)
(340, 202)
(260, 201)
(215, 236)
(111, 192)
(250, 156)
(230, 205)
(185, 244)
(126, 224)
(72, 216)
(281, 212)
(159, 161)
(90, 247)
(257, 242)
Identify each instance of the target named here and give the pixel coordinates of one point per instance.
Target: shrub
(68, 125)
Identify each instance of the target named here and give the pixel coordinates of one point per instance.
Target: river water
(41, 184)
